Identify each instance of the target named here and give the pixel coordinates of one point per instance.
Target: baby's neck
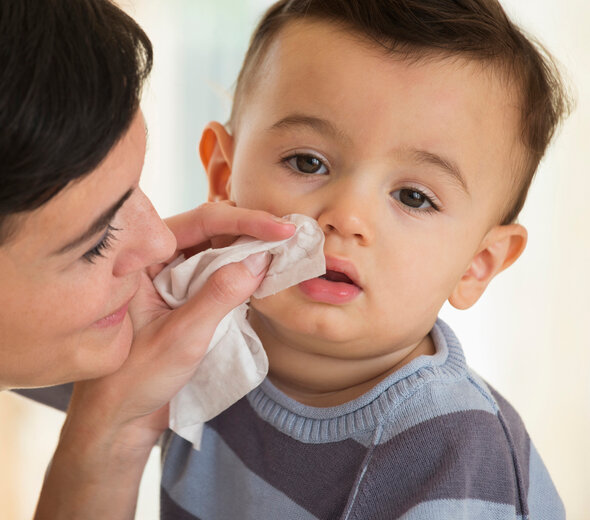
(324, 381)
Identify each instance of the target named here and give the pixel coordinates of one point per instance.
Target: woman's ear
(499, 249)
(216, 151)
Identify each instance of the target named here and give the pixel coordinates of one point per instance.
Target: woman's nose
(349, 214)
(149, 240)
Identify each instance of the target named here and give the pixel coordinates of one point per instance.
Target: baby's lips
(345, 267)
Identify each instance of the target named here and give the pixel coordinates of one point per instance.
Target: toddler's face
(405, 166)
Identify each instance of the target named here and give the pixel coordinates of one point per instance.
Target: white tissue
(235, 362)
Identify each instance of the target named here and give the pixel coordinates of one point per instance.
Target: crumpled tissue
(235, 362)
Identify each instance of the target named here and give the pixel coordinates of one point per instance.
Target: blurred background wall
(528, 334)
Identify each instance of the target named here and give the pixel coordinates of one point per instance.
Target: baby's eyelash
(432, 207)
(305, 163)
(104, 243)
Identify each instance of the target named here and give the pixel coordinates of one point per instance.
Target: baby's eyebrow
(324, 126)
(318, 124)
(444, 164)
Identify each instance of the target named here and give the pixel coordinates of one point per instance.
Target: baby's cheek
(277, 309)
(263, 305)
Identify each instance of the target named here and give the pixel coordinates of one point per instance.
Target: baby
(410, 130)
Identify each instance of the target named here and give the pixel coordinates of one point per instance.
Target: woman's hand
(114, 421)
(169, 344)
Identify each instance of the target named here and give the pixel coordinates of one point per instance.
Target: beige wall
(528, 335)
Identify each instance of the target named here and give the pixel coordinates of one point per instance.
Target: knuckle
(185, 340)
(226, 287)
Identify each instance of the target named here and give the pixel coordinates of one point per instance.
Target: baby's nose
(349, 215)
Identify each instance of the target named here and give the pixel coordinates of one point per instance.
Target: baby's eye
(306, 163)
(414, 199)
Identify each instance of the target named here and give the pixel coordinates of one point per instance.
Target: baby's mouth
(339, 286)
(336, 276)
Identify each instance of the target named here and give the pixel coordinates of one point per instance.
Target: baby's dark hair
(412, 29)
(72, 74)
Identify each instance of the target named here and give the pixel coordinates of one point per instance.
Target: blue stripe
(544, 502)
(461, 510)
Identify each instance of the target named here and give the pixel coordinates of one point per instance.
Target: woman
(79, 242)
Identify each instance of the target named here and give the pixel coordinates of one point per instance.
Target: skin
(67, 341)
(102, 325)
(352, 150)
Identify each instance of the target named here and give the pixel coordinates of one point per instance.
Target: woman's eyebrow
(98, 225)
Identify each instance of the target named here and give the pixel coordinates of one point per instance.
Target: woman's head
(72, 73)
(75, 229)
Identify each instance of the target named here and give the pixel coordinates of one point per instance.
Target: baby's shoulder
(461, 417)
(460, 439)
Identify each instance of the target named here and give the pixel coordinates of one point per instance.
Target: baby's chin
(295, 321)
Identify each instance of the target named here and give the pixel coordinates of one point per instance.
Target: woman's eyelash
(104, 243)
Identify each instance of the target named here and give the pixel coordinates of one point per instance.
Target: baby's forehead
(300, 49)
(499, 74)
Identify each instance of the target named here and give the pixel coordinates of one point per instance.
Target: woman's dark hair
(70, 83)
(411, 29)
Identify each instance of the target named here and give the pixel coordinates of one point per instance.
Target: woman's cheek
(85, 299)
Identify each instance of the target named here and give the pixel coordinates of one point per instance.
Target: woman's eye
(308, 164)
(103, 244)
(413, 199)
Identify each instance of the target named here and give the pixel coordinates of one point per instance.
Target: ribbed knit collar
(312, 424)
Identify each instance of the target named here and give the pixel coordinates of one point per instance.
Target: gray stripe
(318, 477)
(458, 456)
(54, 396)
(171, 510)
(213, 484)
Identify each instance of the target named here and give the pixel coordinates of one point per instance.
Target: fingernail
(257, 263)
(282, 220)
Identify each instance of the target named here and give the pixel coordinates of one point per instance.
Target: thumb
(233, 284)
(227, 288)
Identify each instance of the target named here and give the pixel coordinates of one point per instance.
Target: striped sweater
(431, 442)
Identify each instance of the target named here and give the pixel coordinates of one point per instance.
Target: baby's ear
(216, 150)
(499, 249)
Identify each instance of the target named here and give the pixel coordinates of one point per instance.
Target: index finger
(212, 219)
